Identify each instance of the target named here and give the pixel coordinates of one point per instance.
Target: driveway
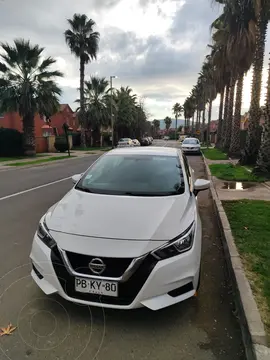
(202, 328)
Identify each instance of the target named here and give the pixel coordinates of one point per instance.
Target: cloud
(154, 46)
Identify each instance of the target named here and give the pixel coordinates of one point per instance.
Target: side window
(187, 172)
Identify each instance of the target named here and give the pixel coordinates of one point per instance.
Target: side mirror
(200, 185)
(76, 178)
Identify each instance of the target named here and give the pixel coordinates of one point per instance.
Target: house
(44, 127)
(245, 120)
(65, 114)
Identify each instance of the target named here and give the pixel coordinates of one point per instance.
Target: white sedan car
(127, 235)
(125, 142)
(136, 142)
(191, 145)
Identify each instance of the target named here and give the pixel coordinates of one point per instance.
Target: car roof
(153, 150)
(191, 138)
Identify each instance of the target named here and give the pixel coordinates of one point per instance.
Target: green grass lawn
(104, 148)
(5, 159)
(232, 172)
(40, 161)
(250, 225)
(214, 154)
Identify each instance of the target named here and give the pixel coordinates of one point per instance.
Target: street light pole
(112, 122)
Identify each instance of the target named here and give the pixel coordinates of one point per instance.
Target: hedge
(11, 142)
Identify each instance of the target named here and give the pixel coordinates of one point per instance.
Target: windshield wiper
(169, 193)
(81, 188)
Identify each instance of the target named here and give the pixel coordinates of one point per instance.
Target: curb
(252, 329)
(10, 168)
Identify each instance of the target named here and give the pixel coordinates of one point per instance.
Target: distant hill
(179, 122)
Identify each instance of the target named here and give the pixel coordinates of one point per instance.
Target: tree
(168, 122)
(126, 114)
(83, 42)
(156, 124)
(262, 11)
(237, 24)
(263, 162)
(96, 104)
(177, 111)
(27, 86)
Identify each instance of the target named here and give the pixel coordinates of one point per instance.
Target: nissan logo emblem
(97, 266)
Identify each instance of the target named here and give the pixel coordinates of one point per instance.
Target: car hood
(122, 217)
(190, 145)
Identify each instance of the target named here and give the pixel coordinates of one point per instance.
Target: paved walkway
(255, 191)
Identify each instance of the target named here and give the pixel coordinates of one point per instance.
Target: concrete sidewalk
(254, 190)
(253, 332)
(41, 156)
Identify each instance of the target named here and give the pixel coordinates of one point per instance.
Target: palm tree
(83, 42)
(168, 122)
(189, 111)
(177, 111)
(27, 86)
(235, 36)
(96, 104)
(156, 124)
(262, 12)
(126, 114)
(263, 160)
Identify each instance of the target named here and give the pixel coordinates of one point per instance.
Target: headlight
(44, 235)
(178, 245)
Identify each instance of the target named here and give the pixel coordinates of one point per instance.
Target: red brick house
(43, 128)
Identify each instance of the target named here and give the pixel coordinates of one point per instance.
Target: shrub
(76, 139)
(61, 144)
(11, 142)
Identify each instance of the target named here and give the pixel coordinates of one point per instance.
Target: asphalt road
(202, 328)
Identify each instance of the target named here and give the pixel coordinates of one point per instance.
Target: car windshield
(191, 141)
(124, 139)
(134, 175)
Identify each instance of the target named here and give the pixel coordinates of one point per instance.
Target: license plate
(99, 287)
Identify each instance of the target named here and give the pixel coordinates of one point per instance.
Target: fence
(41, 144)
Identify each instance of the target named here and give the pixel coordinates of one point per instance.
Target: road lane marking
(34, 188)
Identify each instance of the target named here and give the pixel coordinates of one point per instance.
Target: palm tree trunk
(175, 127)
(234, 150)
(228, 134)
(220, 119)
(263, 161)
(203, 124)
(29, 138)
(225, 122)
(197, 121)
(82, 103)
(208, 124)
(192, 124)
(253, 141)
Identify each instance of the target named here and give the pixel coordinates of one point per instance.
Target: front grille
(115, 267)
(127, 291)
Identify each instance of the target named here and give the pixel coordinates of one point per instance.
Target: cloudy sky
(154, 46)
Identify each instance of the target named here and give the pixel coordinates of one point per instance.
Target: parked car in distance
(127, 235)
(145, 141)
(125, 142)
(136, 142)
(166, 138)
(191, 145)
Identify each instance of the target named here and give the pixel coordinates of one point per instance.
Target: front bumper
(191, 150)
(155, 284)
